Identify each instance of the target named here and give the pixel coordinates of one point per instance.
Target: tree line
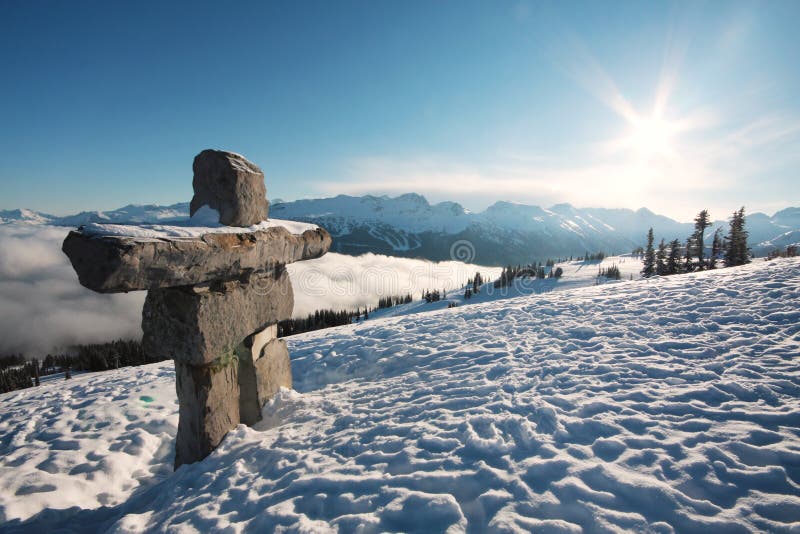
(533, 270)
(318, 320)
(675, 258)
(433, 295)
(328, 318)
(392, 301)
(18, 372)
(473, 286)
(612, 272)
(790, 251)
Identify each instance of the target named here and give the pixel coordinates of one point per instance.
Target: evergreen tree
(649, 256)
(477, 282)
(736, 251)
(701, 222)
(674, 259)
(661, 258)
(716, 249)
(688, 266)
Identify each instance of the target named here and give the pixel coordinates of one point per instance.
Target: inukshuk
(213, 299)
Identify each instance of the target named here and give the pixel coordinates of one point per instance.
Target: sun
(651, 137)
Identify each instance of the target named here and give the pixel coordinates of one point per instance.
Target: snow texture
(660, 405)
(204, 221)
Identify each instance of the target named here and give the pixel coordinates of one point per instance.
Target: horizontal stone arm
(115, 264)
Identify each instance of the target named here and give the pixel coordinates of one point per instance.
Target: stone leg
(273, 370)
(263, 369)
(209, 408)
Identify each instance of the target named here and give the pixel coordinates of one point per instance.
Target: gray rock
(204, 325)
(208, 400)
(273, 370)
(231, 185)
(263, 370)
(113, 264)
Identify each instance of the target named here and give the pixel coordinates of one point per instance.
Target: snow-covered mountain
(660, 405)
(506, 232)
(148, 213)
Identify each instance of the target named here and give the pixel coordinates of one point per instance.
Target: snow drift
(662, 405)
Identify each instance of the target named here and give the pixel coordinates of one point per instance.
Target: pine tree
(674, 259)
(649, 256)
(661, 258)
(701, 222)
(716, 249)
(477, 282)
(688, 265)
(736, 251)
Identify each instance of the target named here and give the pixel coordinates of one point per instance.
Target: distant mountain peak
(24, 215)
(505, 232)
(413, 197)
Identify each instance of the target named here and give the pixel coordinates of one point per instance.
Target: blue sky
(673, 106)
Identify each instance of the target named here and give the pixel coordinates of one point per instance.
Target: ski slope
(660, 405)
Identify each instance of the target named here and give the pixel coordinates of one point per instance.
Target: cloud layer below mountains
(43, 308)
(348, 282)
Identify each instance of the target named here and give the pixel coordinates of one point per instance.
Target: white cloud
(42, 306)
(348, 282)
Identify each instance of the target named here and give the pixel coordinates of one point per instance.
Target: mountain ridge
(505, 232)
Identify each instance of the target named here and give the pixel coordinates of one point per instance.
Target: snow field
(86, 442)
(661, 405)
(577, 273)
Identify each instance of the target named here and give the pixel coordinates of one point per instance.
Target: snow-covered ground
(661, 405)
(577, 273)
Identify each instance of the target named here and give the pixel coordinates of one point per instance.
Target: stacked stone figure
(213, 301)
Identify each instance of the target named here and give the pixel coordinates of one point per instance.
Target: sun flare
(651, 137)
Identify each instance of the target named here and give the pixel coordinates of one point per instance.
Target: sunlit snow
(663, 405)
